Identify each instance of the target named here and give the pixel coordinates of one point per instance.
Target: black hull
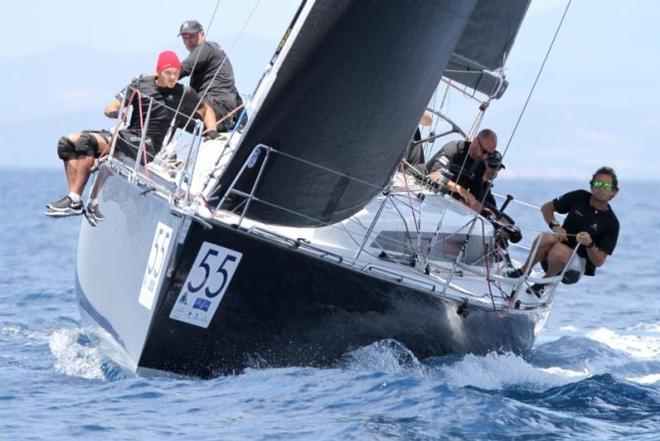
(282, 307)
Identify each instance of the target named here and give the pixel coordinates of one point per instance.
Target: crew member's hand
(469, 199)
(583, 238)
(560, 232)
(503, 234)
(487, 212)
(435, 176)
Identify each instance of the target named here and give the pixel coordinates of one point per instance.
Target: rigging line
(516, 201)
(463, 91)
(335, 172)
(538, 75)
(238, 36)
(203, 94)
(412, 209)
(487, 268)
(529, 96)
(405, 224)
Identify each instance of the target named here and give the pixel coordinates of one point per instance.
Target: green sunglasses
(604, 185)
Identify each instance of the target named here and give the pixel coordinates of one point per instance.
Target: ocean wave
(602, 397)
(497, 371)
(493, 371)
(576, 353)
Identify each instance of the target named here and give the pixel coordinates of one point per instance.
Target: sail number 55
(206, 284)
(155, 265)
(220, 275)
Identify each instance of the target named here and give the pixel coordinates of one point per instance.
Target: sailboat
(297, 238)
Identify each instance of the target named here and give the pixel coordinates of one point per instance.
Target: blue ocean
(594, 373)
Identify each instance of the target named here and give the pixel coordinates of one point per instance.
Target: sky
(595, 103)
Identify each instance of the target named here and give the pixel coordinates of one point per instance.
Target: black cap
(494, 159)
(190, 27)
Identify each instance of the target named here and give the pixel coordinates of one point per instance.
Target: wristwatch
(554, 223)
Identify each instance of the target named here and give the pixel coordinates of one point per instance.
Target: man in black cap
(211, 74)
(480, 188)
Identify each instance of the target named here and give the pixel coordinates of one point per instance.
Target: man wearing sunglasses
(590, 222)
(464, 163)
(481, 188)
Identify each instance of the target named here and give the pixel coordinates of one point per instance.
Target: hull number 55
(205, 285)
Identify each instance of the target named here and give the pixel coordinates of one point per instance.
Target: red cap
(167, 59)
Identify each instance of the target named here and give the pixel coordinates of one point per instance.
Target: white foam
(568, 373)
(12, 329)
(647, 327)
(32, 337)
(74, 359)
(495, 371)
(568, 328)
(646, 379)
(387, 356)
(642, 347)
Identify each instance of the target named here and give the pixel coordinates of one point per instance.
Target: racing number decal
(205, 285)
(222, 271)
(155, 265)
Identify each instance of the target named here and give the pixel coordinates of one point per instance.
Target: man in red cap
(79, 150)
(211, 73)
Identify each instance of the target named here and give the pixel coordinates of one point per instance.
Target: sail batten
(348, 95)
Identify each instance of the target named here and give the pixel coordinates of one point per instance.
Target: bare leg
(69, 171)
(98, 184)
(558, 258)
(69, 168)
(82, 166)
(547, 242)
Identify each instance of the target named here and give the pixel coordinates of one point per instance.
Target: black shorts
(94, 146)
(128, 143)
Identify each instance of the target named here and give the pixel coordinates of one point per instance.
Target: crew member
(79, 150)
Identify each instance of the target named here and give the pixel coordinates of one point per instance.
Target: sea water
(594, 372)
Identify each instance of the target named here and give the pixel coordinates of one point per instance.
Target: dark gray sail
(347, 97)
(485, 44)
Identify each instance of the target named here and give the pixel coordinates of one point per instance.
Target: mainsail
(347, 96)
